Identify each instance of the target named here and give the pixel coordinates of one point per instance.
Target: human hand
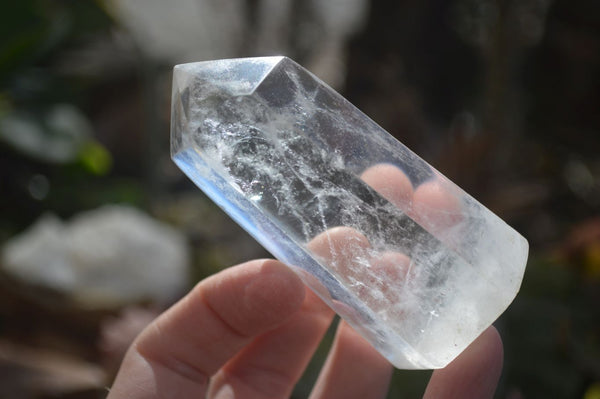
(250, 331)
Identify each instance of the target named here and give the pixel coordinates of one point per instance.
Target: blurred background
(100, 231)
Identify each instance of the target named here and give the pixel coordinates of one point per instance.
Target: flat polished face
(410, 260)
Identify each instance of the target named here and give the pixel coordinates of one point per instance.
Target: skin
(249, 331)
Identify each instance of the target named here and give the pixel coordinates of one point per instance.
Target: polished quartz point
(416, 265)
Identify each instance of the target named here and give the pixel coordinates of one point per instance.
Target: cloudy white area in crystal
(300, 168)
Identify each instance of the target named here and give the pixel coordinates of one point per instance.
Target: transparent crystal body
(411, 261)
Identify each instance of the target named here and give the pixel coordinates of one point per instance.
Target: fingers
(354, 369)
(179, 352)
(434, 207)
(343, 249)
(433, 204)
(393, 269)
(271, 365)
(391, 183)
(473, 374)
(347, 254)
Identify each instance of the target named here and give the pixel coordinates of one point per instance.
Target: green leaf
(95, 158)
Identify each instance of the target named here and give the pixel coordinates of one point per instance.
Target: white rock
(106, 257)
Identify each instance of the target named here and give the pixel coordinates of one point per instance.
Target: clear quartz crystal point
(411, 261)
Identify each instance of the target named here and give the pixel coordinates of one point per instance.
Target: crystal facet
(411, 261)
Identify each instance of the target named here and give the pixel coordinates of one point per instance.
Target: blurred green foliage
(51, 156)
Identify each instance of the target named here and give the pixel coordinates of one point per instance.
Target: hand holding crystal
(250, 331)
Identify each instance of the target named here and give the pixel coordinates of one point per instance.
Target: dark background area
(503, 97)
